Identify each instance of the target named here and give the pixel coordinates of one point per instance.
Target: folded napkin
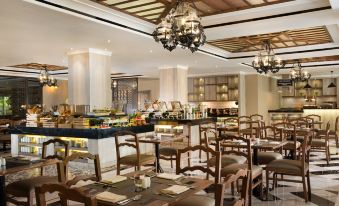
(110, 197)
(169, 176)
(114, 179)
(175, 190)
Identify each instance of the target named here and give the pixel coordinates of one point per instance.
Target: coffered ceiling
(37, 66)
(284, 39)
(154, 10)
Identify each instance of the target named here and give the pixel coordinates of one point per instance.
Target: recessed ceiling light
(150, 51)
(216, 66)
(105, 49)
(71, 48)
(108, 41)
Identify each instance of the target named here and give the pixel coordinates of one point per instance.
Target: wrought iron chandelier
(298, 74)
(181, 26)
(47, 79)
(266, 61)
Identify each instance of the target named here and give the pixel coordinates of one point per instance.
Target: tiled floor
(324, 183)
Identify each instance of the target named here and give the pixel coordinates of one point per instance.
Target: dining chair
(292, 168)
(270, 133)
(136, 160)
(316, 119)
(227, 182)
(198, 200)
(204, 126)
(74, 194)
(226, 157)
(247, 127)
(232, 126)
(321, 143)
(169, 152)
(64, 169)
(289, 135)
(246, 151)
(333, 133)
(25, 188)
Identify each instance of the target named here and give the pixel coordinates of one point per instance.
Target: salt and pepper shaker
(2, 161)
(146, 182)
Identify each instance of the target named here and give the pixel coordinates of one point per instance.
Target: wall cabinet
(213, 88)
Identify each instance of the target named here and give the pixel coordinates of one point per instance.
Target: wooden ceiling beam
(150, 9)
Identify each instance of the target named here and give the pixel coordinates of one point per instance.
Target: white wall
(55, 96)
(148, 84)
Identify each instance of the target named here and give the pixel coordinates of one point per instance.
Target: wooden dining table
(18, 164)
(157, 141)
(151, 196)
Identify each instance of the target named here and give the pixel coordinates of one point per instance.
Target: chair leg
(261, 187)
(118, 169)
(30, 198)
(336, 143)
(329, 155)
(267, 183)
(171, 162)
(309, 185)
(304, 188)
(251, 191)
(232, 189)
(327, 151)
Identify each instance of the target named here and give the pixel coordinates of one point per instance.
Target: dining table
(151, 196)
(19, 164)
(156, 141)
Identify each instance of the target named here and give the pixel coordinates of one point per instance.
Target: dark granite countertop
(80, 133)
(291, 110)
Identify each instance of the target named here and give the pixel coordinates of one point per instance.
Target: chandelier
(181, 26)
(298, 74)
(266, 61)
(47, 79)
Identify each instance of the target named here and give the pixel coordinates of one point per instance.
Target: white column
(173, 84)
(89, 78)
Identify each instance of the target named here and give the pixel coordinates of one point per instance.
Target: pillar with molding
(89, 78)
(173, 84)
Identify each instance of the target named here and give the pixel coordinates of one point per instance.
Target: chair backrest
(207, 124)
(272, 133)
(231, 120)
(246, 150)
(336, 126)
(63, 168)
(118, 143)
(257, 117)
(207, 170)
(67, 193)
(227, 183)
(288, 129)
(305, 151)
(62, 143)
(315, 117)
(304, 122)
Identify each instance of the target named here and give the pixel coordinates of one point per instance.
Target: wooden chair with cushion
(170, 152)
(247, 127)
(333, 133)
(289, 135)
(321, 143)
(63, 169)
(231, 125)
(198, 200)
(292, 168)
(136, 160)
(270, 134)
(25, 188)
(316, 120)
(226, 157)
(227, 182)
(74, 194)
(246, 151)
(207, 125)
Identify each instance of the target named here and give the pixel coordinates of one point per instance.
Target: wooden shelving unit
(319, 89)
(213, 88)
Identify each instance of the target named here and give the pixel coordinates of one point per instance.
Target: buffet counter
(28, 141)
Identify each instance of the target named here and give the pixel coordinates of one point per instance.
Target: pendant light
(331, 85)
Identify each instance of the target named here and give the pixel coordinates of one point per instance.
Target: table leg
(2, 191)
(157, 155)
(255, 156)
